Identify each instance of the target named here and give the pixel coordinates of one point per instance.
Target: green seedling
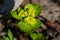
(9, 37)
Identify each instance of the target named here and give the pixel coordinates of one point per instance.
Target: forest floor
(50, 18)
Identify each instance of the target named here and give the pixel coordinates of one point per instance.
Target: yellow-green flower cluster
(30, 20)
(32, 12)
(22, 13)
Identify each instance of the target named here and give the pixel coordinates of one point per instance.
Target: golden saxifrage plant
(27, 16)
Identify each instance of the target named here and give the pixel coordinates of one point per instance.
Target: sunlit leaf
(15, 15)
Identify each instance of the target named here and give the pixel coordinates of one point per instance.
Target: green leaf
(25, 27)
(5, 38)
(10, 35)
(38, 9)
(40, 36)
(19, 9)
(28, 27)
(38, 24)
(33, 36)
(15, 15)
